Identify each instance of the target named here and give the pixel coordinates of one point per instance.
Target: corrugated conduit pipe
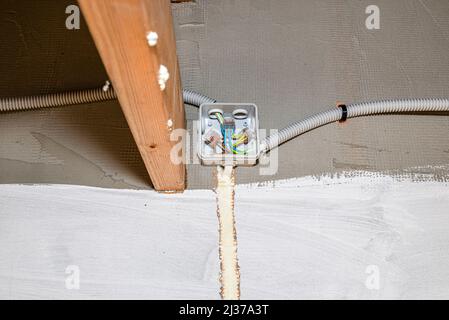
(80, 97)
(353, 110)
(196, 99)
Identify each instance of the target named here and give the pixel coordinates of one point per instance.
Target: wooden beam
(119, 29)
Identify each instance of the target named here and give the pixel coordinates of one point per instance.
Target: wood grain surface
(119, 29)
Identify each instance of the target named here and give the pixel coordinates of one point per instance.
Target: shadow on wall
(87, 145)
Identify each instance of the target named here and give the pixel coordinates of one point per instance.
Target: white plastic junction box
(228, 134)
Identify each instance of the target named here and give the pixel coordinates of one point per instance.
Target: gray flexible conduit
(196, 99)
(80, 97)
(55, 100)
(353, 110)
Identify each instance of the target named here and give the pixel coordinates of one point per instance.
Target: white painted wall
(303, 238)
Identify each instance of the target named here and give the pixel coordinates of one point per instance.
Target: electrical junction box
(228, 134)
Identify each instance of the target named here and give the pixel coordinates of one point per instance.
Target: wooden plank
(119, 29)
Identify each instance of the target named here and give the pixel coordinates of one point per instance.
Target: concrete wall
(291, 57)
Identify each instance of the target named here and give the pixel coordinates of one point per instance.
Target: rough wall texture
(290, 57)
